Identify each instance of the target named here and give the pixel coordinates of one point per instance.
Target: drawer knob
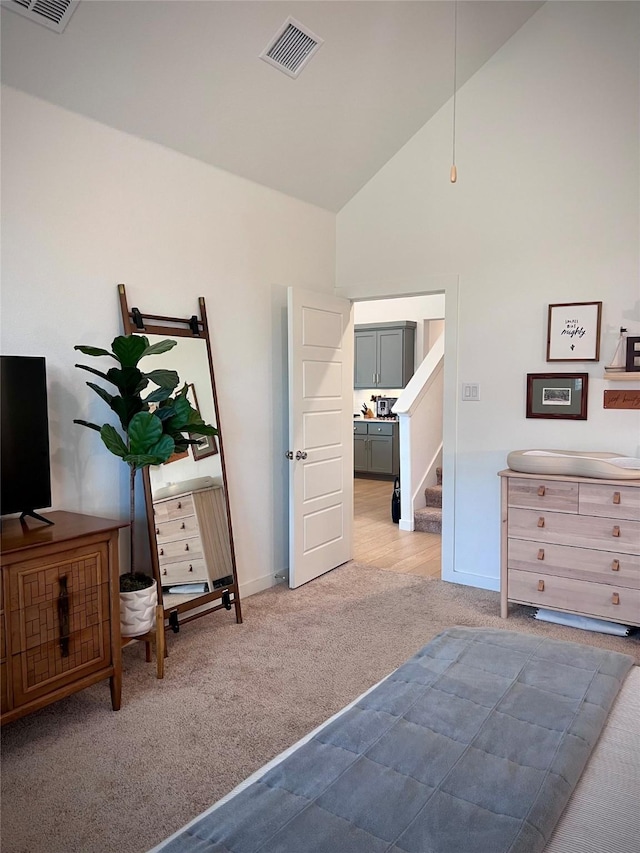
(541, 521)
(616, 530)
(186, 547)
(179, 504)
(541, 491)
(190, 567)
(541, 553)
(164, 571)
(182, 526)
(615, 598)
(161, 552)
(157, 531)
(616, 497)
(615, 566)
(540, 586)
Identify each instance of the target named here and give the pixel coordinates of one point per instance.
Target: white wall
(545, 210)
(85, 207)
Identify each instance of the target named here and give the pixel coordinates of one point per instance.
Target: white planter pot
(138, 611)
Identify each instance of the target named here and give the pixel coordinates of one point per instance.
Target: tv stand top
(17, 535)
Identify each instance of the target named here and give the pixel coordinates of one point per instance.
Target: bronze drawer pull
(164, 571)
(541, 553)
(615, 531)
(615, 598)
(63, 616)
(615, 566)
(616, 497)
(541, 491)
(161, 551)
(179, 504)
(157, 531)
(541, 521)
(186, 547)
(182, 526)
(190, 567)
(540, 586)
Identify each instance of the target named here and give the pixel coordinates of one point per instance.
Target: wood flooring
(378, 542)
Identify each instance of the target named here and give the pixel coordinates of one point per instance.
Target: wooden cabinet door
(381, 454)
(360, 456)
(365, 359)
(390, 359)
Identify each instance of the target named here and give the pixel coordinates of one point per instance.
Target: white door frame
(449, 285)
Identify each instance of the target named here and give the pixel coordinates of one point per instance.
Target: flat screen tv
(25, 474)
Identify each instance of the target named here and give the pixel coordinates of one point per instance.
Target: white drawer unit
(571, 544)
(192, 538)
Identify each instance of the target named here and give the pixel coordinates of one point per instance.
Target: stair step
(433, 496)
(428, 520)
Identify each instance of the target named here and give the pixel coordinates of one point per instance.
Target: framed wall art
(557, 395)
(573, 331)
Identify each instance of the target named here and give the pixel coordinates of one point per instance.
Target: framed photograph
(573, 331)
(557, 395)
(207, 445)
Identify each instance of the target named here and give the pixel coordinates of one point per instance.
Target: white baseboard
(467, 579)
(259, 584)
(407, 525)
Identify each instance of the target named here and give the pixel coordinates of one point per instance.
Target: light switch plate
(470, 392)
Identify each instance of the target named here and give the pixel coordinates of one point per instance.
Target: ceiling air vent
(291, 47)
(53, 14)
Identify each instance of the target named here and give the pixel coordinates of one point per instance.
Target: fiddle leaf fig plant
(155, 422)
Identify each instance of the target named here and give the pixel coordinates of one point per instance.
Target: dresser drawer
(359, 428)
(39, 669)
(543, 494)
(180, 549)
(581, 563)
(179, 528)
(581, 530)
(185, 571)
(568, 594)
(173, 508)
(610, 501)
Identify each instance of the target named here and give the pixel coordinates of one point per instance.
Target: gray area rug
(79, 778)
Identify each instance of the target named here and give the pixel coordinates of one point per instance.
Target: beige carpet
(79, 778)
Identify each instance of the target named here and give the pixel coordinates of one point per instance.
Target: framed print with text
(573, 331)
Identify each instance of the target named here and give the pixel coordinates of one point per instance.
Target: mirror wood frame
(137, 322)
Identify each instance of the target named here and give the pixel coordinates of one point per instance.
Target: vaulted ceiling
(187, 74)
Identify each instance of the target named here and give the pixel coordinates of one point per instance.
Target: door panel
(390, 359)
(320, 432)
(365, 360)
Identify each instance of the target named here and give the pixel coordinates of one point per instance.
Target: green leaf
(164, 448)
(129, 380)
(92, 370)
(164, 378)
(101, 392)
(92, 351)
(141, 460)
(113, 441)
(129, 349)
(145, 430)
(182, 414)
(126, 407)
(87, 424)
(160, 347)
(164, 412)
(158, 396)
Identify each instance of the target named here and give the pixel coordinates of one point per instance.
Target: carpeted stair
(429, 519)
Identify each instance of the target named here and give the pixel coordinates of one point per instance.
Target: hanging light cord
(454, 172)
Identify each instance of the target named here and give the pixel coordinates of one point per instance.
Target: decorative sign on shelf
(622, 399)
(573, 331)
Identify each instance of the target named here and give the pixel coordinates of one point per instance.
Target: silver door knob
(301, 454)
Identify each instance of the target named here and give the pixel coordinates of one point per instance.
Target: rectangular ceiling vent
(53, 14)
(291, 47)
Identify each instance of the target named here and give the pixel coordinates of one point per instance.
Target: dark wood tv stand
(59, 610)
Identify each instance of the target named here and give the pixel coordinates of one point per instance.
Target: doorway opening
(377, 540)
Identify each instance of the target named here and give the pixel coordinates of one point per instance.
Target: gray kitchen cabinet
(375, 448)
(384, 354)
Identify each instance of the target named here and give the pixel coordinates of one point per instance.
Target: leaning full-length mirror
(188, 513)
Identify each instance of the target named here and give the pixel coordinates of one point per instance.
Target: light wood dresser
(192, 536)
(60, 615)
(571, 544)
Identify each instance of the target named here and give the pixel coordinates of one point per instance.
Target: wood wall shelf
(631, 376)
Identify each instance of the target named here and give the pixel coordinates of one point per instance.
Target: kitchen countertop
(375, 420)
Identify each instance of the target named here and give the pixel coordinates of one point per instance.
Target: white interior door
(320, 434)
